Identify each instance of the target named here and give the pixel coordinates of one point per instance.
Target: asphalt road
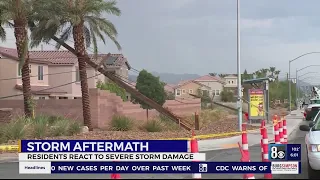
(10, 170)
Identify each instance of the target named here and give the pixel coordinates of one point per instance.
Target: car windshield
(315, 101)
(316, 127)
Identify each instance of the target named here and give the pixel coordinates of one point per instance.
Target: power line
(4, 97)
(13, 78)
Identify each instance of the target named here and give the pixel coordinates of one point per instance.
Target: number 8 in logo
(274, 152)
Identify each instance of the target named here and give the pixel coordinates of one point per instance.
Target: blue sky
(199, 36)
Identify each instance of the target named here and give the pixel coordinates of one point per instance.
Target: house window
(217, 92)
(63, 97)
(229, 82)
(40, 72)
(232, 82)
(42, 97)
(77, 74)
(178, 92)
(183, 91)
(190, 91)
(29, 68)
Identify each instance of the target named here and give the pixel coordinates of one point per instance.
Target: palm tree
(213, 74)
(83, 20)
(272, 70)
(264, 72)
(276, 74)
(14, 13)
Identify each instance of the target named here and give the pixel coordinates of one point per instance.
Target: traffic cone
(194, 144)
(245, 158)
(194, 149)
(115, 176)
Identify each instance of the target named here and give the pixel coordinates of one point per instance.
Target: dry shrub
(121, 123)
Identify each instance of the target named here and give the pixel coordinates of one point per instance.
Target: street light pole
(298, 70)
(298, 82)
(289, 78)
(239, 69)
(296, 85)
(289, 81)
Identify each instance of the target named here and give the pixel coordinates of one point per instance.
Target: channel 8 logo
(277, 152)
(203, 167)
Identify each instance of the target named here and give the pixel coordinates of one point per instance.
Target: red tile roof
(188, 82)
(169, 87)
(207, 78)
(40, 90)
(60, 57)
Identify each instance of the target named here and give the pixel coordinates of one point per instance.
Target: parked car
(312, 143)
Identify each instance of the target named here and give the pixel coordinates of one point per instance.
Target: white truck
(312, 143)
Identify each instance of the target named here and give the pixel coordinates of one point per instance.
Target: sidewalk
(293, 120)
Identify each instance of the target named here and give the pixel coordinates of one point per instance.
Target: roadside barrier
(285, 136)
(194, 149)
(281, 130)
(115, 176)
(261, 141)
(244, 138)
(265, 143)
(245, 158)
(276, 134)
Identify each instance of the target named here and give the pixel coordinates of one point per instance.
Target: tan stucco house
(185, 88)
(49, 69)
(231, 84)
(216, 85)
(231, 81)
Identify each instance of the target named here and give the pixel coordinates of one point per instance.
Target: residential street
(10, 170)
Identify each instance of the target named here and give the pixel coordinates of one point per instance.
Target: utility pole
(239, 102)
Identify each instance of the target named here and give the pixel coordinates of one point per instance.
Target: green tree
(170, 95)
(151, 87)
(222, 75)
(113, 88)
(15, 13)
(81, 19)
(227, 96)
(272, 71)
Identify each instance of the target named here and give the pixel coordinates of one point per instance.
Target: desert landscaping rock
(84, 129)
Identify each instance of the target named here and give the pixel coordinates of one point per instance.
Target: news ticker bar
(75, 157)
(159, 167)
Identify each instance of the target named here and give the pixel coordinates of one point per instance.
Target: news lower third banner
(159, 167)
(55, 146)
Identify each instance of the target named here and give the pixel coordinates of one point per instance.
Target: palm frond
(64, 36)
(110, 8)
(100, 25)
(94, 28)
(94, 42)
(3, 34)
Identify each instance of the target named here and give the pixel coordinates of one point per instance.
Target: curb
(231, 146)
(9, 160)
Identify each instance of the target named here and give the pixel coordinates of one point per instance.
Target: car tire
(312, 174)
